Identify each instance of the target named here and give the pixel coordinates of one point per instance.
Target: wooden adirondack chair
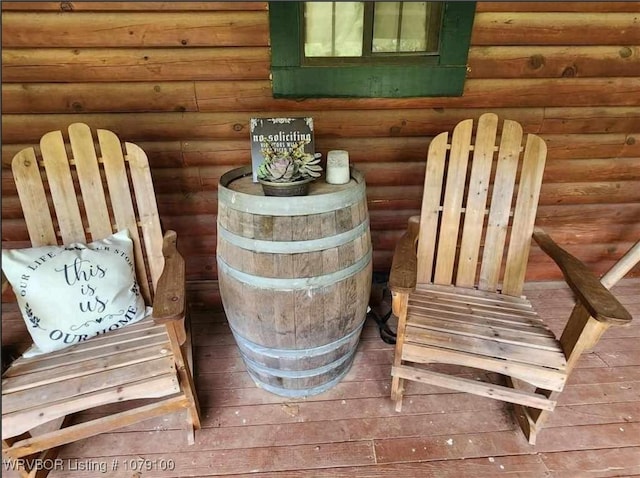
(149, 359)
(457, 292)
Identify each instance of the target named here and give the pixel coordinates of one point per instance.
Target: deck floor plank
(353, 430)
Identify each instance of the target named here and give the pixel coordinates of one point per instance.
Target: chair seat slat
(479, 388)
(108, 359)
(134, 335)
(523, 308)
(112, 375)
(15, 423)
(545, 377)
(523, 353)
(485, 330)
(423, 316)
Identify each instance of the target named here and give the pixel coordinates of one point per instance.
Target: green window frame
(433, 75)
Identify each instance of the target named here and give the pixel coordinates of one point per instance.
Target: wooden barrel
(295, 276)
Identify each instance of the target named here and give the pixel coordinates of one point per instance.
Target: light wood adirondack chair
(146, 360)
(457, 276)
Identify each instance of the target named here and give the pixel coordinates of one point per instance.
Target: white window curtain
(400, 27)
(334, 29)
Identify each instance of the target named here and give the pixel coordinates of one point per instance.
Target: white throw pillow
(68, 294)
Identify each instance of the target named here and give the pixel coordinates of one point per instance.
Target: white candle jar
(338, 167)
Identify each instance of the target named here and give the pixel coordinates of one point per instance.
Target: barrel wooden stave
(296, 319)
(296, 314)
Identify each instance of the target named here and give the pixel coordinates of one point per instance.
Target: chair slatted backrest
(469, 215)
(76, 184)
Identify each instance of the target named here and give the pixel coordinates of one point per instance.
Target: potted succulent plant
(288, 172)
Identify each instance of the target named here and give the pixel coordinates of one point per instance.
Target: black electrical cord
(386, 334)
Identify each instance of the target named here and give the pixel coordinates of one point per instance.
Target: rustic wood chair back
(467, 209)
(77, 185)
(63, 200)
(457, 276)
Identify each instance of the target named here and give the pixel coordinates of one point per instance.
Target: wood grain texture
(295, 283)
(391, 156)
(32, 196)
(58, 171)
(97, 65)
(133, 29)
(306, 436)
(553, 61)
(88, 97)
(556, 28)
(132, 6)
(558, 7)
(170, 299)
(332, 124)
(567, 71)
(134, 363)
(600, 304)
(253, 95)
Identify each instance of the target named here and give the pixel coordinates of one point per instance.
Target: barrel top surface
(240, 180)
(237, 188)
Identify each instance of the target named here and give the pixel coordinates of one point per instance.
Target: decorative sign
(281, 133)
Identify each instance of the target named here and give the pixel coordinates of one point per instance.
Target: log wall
(183, 78)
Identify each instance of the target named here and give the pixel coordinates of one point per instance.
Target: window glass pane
(406, 27)
(333, 28)
(385, 27)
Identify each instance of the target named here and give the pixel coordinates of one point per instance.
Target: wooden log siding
(183, 79)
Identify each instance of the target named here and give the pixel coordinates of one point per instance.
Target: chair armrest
(404, 267)
(169, 301)
(599, 302)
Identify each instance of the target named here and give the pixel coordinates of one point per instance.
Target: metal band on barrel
(296, 282)
(292, 247)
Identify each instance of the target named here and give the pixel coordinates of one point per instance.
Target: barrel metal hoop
(289, 354)
(292, 247)
(290, 206)
(299, 393)
(295, 283)
(297, 374)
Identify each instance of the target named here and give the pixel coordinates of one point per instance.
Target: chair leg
(536, 418)
(526, 423)
(37, 465)
(184, 367)
(531, 420)
(400, 302)
(41, 463)
(193, 413)
(190, 428)
(397, 392)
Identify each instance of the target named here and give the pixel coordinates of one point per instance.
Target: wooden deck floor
(353, 431)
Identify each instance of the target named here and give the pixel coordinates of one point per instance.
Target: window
(370, 31)
(369, 49)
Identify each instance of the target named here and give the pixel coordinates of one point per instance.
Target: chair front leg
(399, 306)
(531, 420)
